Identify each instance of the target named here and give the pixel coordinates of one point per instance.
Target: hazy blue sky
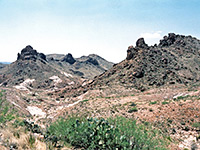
(82, 27)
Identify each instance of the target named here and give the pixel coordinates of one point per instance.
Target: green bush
(118, 133)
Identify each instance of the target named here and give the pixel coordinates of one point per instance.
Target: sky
(83, 27)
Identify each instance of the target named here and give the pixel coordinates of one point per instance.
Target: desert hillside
(148, 100)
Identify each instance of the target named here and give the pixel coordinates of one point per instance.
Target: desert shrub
(196, 125)
(92, 133)
(6, 114)
(133, 104)
(181, 98)
(134, 109)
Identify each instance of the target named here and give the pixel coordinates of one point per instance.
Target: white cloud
(152, 38)
(154, 35)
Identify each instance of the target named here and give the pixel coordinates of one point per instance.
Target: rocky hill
(176, 59)
(34, 69)
(31, 69)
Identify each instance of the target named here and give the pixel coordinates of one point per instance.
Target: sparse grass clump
(85, 100)
(92, 133)
(181, 98)
(153, 102)
(31, 141)
(165, 102)
(108, 97)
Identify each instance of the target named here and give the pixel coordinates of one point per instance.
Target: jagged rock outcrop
(28, 53)
(132, 51)
(141, 43)
(168, 40)
(69, 58)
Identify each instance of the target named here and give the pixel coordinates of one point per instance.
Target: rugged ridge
(46, 71)
(176, 59)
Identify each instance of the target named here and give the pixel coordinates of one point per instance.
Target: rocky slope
(175, 60)
(31, 69)
(2, 65)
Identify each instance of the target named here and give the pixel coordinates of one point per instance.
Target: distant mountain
(5, 62)
(85, 66)
(2, 65)
(92, 58)
(41, 71)
(56, 57)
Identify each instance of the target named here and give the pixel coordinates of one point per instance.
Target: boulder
(92, 61)
(69, 58)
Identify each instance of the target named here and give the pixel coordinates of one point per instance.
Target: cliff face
(176, 59)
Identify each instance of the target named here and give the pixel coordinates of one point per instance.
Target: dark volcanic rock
(43, 56)
(131, 52)
(69, 58)
(172, 39)
(168, 40)
(79, 73)
(92, 61)
(28, 53)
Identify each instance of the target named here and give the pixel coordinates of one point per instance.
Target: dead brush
(22, 140)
